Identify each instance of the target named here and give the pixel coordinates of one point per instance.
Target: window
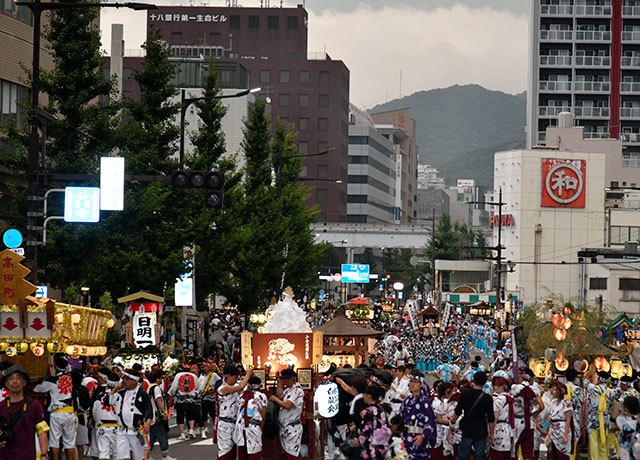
(303, 147)
(323, 146)
(598, 283)
(234, 21)
(629, 284)
(226, 76)
(273, 22)
(323, 100)
(303, 171)
(283, 100)
(303, 100)
(323, 77)
(323, 171)
(284, 76)
(292, 22)
(304, 76)
(254, 22)
(265, 76)
(323, 124)
(303, 124)
(321, 195)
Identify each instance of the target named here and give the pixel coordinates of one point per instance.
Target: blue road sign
(12, 238)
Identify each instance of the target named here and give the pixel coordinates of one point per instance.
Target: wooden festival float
(33, 329)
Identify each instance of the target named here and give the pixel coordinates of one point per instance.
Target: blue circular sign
(12, 238)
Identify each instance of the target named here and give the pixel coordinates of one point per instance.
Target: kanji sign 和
(13, 286)
(564, 183)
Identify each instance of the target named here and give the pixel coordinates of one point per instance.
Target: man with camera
(21, 419)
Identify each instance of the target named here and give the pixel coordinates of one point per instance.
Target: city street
(192, 449)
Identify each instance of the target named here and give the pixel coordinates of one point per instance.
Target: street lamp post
(432, 262)
(297, 155)
(185, 102)
(37, 7)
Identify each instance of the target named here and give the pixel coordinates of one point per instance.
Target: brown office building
(267, 48)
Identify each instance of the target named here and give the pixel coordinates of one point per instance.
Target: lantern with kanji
(601, 364)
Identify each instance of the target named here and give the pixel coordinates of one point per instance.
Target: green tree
(455, 241)
(276, 244)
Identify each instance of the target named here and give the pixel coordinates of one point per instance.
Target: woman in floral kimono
(373, 432)
(504, 432)
(559, 417)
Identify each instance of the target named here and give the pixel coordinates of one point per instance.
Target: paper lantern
(326, 399)
(75, 318)
(567, 310)
(601, 364)
(567, 323)
(627, 370)
(4, 346)
(581, 365)
(560, 334)
(616, 368)
(22, 347)
(557, 319)
(561, 364)
(11, 351)
(37, 349)
(110, 323)
(59, 317)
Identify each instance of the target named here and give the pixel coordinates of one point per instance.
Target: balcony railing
(630, 138)
(630, 112)
(631, 11)
(593, 35)
(631, 35)
(556, 10)
(593, 61)
(593, 10)
(552, 110)
(630, 87)
(555, 60)
(554, 86)
(592, 86)
(565, 35)
(596, 135)
(630, 61)
(591, 112)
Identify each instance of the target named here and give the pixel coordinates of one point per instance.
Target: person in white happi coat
(104, 440)
(63, 420)
(135, 414)
(250, 421)
(228, 403)
(559, 418)
(290, 397)
(503, 445)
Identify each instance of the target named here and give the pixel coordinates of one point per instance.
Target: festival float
(34, 328)
(285, 341)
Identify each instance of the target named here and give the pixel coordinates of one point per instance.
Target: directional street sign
(82, 204)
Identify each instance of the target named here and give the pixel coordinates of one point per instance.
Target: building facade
(584, 59)
(267, 48)
(16, 42)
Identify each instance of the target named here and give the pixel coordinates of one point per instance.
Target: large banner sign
(564, 183)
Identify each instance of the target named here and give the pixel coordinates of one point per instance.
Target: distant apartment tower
(585, 59)
(400, 129)
(267, 48)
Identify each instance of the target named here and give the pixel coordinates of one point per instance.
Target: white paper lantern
(326, 399)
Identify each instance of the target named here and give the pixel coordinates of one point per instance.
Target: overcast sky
(394, 48)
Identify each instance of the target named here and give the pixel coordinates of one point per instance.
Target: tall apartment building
(16, 43)
(267, 48)
(585, 59)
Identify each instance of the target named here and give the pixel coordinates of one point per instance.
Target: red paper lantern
(557, 319)
(560, 334)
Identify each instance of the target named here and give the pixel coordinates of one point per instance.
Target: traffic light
(212, 181)
(388, 276)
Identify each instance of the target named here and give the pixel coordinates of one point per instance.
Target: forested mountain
(460, 128)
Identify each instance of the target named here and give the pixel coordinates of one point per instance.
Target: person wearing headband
(250, 421)
(599, 403)
(559, 416)
(228, 404)
(419, 419)
(135, 414)
(290, 397)
(103, 417)
(63, 420)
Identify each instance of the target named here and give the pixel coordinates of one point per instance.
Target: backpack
(271, 427)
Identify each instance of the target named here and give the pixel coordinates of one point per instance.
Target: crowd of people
(427, 394)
